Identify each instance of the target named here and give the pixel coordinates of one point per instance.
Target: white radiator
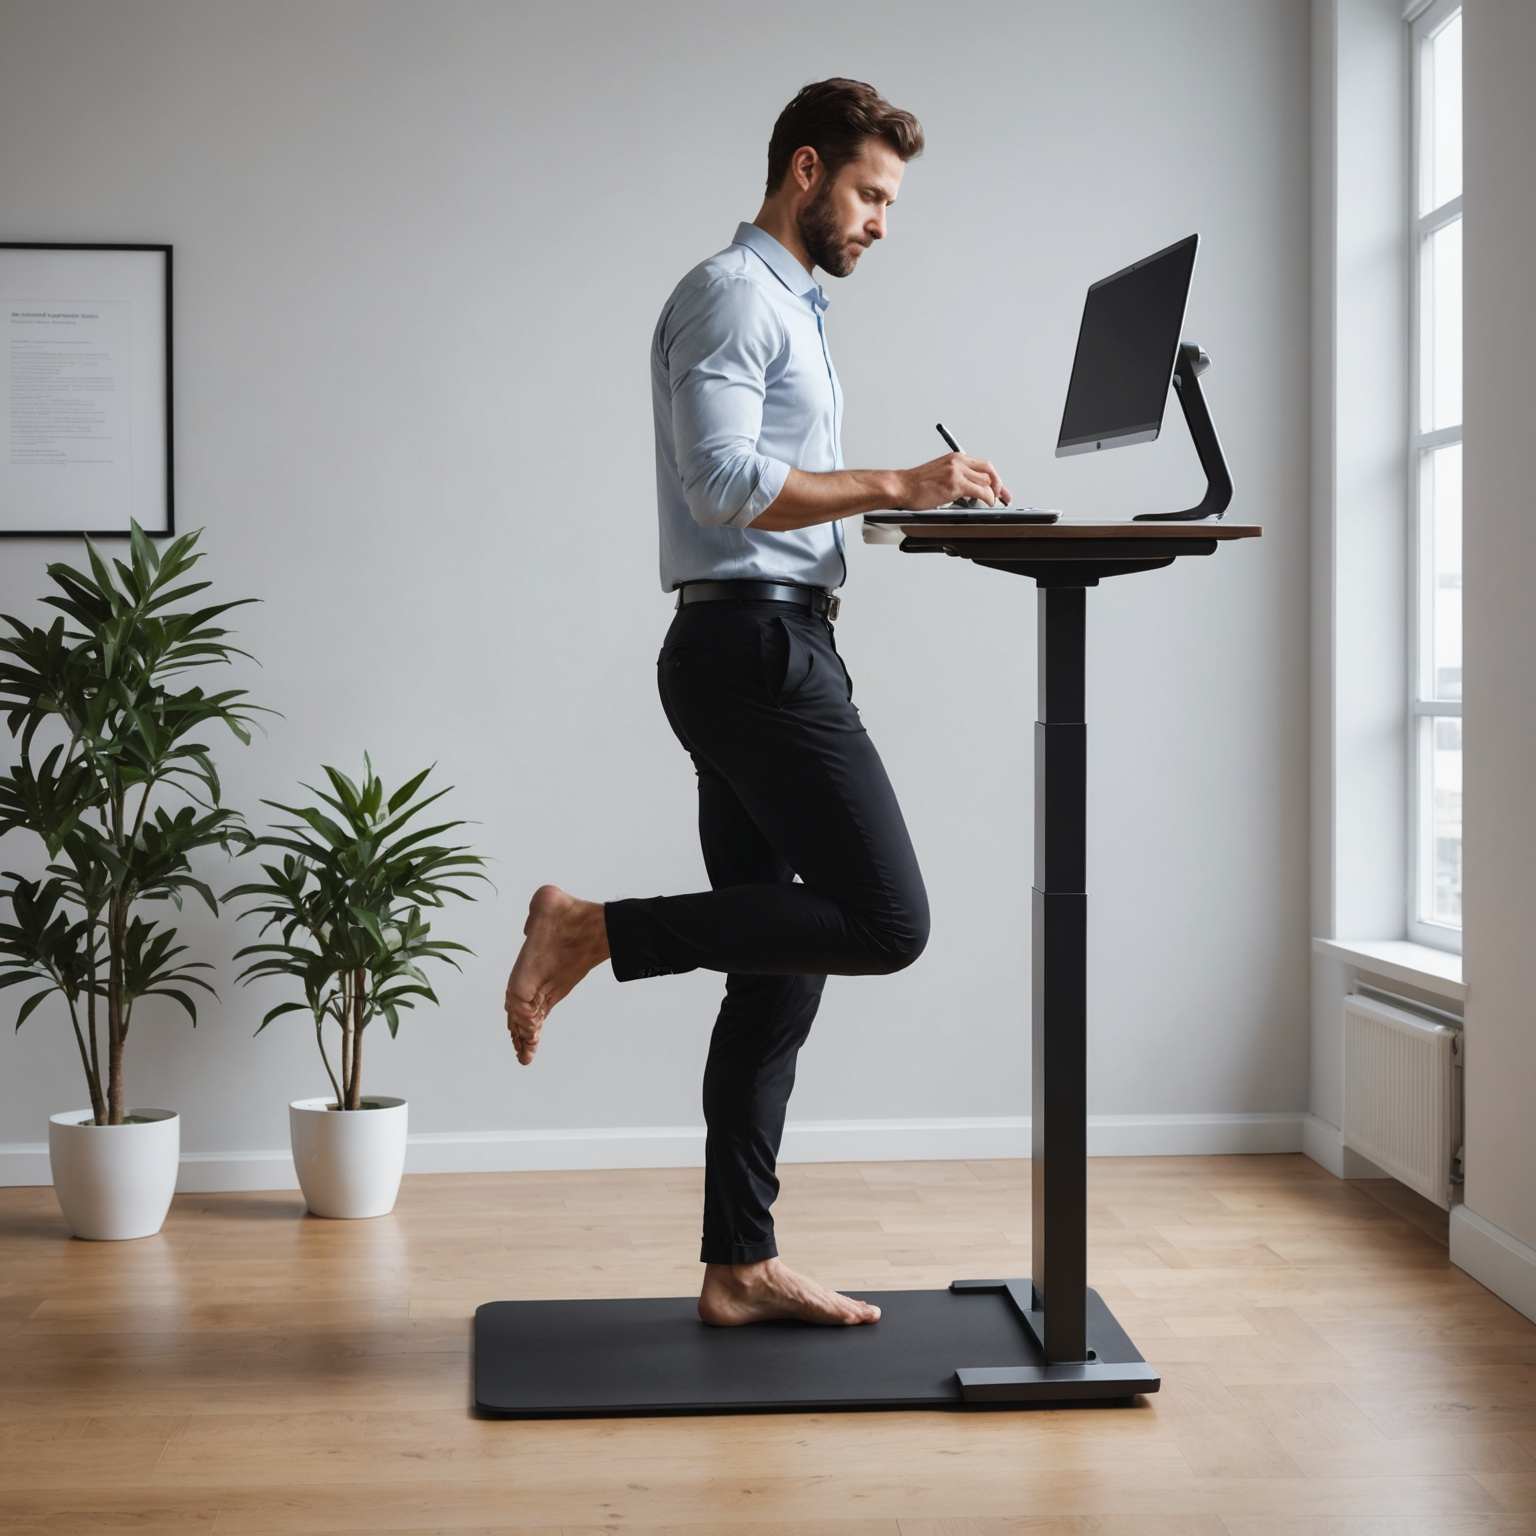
(1402, 1093)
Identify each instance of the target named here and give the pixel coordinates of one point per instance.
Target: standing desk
(978, 1343)
(1080, 1344)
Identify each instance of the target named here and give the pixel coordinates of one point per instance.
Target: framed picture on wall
(85, 390)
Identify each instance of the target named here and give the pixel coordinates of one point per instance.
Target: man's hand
(946, 478)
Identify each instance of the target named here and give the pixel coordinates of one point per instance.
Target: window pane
(1440, 573)
(1440, 821)
(1442, 94)
(1437, 739)
(1440, 328)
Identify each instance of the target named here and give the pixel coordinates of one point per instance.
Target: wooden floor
(253, 1369)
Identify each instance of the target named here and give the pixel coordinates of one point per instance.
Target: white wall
(419, 254)
(1497, 1237)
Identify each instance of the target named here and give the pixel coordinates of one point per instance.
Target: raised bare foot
(566, 937)
(755, 1293)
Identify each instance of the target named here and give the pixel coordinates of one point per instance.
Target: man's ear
(806, 163)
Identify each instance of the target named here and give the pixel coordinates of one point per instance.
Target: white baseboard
(1495, 1258)
(1323, 1143)
(816, 1141)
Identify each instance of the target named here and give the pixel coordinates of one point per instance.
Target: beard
(824, 242)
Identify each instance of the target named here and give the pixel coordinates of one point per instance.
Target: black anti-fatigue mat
(652, 1355)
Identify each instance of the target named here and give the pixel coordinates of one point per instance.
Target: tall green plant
(357, 897)
(106, 682)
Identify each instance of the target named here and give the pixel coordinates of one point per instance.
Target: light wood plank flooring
(1326, 1370)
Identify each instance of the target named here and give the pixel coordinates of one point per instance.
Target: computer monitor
(1127, 346)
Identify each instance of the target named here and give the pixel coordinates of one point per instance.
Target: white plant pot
(114, 1181)
(349, 1161)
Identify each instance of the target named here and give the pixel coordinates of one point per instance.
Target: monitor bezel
(1141, 432)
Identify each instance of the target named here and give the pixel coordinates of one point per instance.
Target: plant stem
(354, 1088)
(143, 804)
(114, 1019)
(116, 928)
(320, 1041)
(346, 1041)
(90, 1075)
(93, 1071)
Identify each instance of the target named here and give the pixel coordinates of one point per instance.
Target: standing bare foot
(756, 1293)
(566, 937)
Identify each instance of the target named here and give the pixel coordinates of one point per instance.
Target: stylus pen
(959, 501)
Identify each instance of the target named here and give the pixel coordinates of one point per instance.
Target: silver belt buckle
(834, 602)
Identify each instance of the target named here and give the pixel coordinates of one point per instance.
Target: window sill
(1421, 965)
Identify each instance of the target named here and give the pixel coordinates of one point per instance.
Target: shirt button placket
(837, 441)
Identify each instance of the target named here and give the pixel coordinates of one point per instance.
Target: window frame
(1423, 21)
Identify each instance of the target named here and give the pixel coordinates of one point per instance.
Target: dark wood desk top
(890, 522)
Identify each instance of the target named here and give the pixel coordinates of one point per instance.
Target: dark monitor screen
(1126, 348)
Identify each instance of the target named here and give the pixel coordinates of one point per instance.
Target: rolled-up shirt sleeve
(718, 357)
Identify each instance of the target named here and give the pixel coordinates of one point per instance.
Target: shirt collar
(781, 263)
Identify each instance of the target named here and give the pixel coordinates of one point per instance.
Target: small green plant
(106, 682)
(357, 898)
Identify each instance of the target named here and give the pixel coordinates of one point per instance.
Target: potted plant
(353, 898)
(107, 682)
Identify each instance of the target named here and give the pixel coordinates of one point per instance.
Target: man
(750, 491)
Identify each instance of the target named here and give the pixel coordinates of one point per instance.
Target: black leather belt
(818, 599)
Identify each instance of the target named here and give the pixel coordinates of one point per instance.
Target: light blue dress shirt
(743, 388)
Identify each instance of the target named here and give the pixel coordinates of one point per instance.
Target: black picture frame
(168, 331)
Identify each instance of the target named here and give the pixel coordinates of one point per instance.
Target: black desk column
(1059, 922)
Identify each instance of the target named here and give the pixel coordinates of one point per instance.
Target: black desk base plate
(652, 1355)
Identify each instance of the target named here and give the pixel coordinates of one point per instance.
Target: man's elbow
(728, 495)
(709, 512)
(771, 511)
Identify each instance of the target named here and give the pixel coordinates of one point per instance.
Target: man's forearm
(810, 496)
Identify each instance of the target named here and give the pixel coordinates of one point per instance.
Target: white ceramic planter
(349, 1161)
(114, 1181)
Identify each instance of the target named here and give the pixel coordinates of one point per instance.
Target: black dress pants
(789, 784)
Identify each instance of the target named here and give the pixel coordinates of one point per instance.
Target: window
(1434, 477)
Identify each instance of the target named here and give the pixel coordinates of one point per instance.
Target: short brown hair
(835, 117)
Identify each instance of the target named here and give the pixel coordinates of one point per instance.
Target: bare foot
(566, 937)
(756, 1293)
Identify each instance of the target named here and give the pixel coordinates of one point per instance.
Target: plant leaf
(31, 1003)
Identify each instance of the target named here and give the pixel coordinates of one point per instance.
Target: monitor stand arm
(1192, 362)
